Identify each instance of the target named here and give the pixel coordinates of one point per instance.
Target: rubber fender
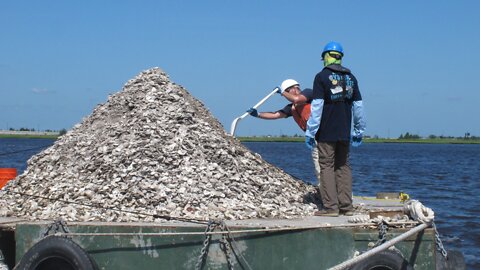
(56, 252)
(455, 261)
(387, 259)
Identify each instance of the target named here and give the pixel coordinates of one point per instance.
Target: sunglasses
(336, 56)
(291, 87)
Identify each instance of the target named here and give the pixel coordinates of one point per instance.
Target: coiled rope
(419, 212)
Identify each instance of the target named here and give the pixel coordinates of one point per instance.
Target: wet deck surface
(363, 206)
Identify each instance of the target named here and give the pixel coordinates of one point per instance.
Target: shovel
(235, 121)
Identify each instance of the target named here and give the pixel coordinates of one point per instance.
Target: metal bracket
(57, 226)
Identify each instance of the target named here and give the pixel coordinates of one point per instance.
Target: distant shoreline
(27, 136)
(283, 139)
(366, 140)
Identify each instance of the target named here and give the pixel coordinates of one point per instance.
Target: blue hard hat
(333, 46)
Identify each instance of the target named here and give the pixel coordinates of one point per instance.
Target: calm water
(443, 177)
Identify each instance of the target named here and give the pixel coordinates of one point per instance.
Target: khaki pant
(336, 175)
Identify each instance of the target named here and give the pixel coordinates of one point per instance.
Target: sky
(415, 61)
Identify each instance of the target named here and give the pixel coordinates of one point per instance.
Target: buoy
(7, 174)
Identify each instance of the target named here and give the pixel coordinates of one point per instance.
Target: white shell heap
(152, 150)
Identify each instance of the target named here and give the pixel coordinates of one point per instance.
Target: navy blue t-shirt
(337, 86)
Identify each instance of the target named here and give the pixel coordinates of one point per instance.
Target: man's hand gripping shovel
(235, 121)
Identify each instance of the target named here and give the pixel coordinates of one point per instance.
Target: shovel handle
(235, 121)
(265, 98)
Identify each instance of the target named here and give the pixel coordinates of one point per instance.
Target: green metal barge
(307, 243)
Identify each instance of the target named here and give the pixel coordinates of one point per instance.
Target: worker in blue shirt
(336, 97)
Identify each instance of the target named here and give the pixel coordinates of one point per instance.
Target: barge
(378, 236)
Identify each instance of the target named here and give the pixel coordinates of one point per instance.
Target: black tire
(56, 253)
(384, 260)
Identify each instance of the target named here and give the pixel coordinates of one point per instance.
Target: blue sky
(416, 61)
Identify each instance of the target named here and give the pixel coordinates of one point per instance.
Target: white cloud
(40, 90)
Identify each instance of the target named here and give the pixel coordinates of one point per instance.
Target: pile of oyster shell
(152, 151)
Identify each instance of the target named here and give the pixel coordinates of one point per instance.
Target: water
(14, 153)
(443, 177)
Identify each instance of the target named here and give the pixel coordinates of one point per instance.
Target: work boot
(326, 213)
(346, 212)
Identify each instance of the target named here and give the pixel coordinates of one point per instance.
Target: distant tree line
(406, 136)
(22, 129)
(61, 132)
(409, 136)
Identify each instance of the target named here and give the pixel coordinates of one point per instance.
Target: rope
(197, 221)
(192, 233)
(12, 221)
(419, 212)
(380, 248)
(282, 229)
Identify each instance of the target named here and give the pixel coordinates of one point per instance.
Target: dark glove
(356, 141)
(310, 142)
(279, 91)
(253, 112)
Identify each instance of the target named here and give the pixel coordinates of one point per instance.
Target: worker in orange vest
(299, 108)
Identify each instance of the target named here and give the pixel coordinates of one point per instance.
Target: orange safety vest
(300, 114)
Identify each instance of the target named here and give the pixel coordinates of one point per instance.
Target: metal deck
(363, 206)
